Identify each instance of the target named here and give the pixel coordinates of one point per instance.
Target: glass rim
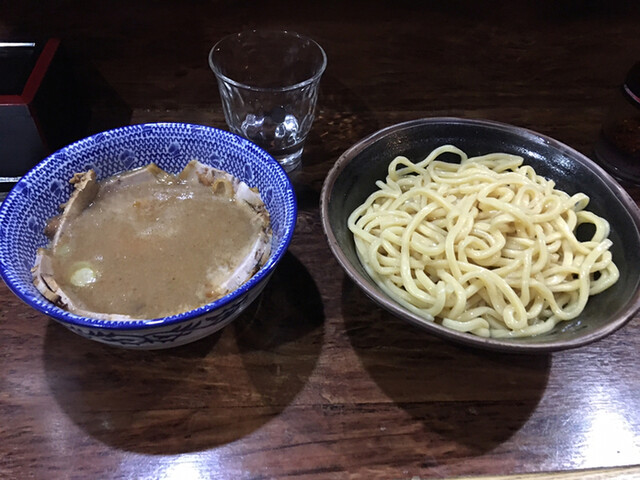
(221, 76)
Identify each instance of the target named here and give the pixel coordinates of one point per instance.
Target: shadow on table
(473, 398)
(209, 393)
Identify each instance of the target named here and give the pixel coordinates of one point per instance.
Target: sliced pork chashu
(146, 244)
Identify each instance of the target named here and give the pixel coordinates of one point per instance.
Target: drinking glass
(268, 82)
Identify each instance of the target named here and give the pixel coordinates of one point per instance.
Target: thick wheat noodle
(485, 245)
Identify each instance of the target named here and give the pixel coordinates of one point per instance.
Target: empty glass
(268, 82)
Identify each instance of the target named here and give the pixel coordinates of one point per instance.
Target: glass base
(289, 160)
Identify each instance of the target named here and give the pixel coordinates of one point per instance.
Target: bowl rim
(71, 319)
(502, 345)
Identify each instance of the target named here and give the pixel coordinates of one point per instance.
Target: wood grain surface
(314, 381)
(619, 473)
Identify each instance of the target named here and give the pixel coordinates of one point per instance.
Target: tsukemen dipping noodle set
(482, 233)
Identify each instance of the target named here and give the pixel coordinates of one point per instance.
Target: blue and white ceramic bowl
(37, 196)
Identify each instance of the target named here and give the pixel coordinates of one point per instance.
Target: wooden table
(315, 381)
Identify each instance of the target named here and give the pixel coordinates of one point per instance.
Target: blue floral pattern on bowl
(38, 195)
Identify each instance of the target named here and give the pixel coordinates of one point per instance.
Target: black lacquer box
(40, 107)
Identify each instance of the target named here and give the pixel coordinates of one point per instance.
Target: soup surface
(156, 246)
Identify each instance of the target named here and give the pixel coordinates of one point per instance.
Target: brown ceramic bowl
(353, 177)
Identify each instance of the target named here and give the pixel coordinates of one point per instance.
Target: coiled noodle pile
(486, 245)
